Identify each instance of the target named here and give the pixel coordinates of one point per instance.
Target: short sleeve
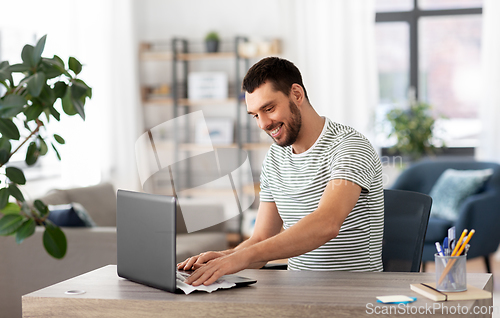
(265, 190)
(354, 160)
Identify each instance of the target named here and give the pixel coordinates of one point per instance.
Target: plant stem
(5, 84)
(39, 124)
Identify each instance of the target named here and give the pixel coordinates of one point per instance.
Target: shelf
(168, 101)
(256, 145)
(246, 146)
(168, 56)
(155, 56)
(205, 56)
(222, 191)
(191, 147)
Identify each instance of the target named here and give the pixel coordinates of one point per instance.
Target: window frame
(412, 17)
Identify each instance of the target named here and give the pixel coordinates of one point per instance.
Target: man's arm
(312, 231)
(267, 224)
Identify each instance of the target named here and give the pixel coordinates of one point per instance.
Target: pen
(445, 245)
(439, 249)
(451, 237)
(456, 253)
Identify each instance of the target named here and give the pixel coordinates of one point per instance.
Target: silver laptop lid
(145, 228)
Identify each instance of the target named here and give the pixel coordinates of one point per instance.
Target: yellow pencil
(459, 243)
(462, 247)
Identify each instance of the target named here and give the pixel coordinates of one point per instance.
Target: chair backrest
(405, 223)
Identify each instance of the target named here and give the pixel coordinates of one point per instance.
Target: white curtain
(335, 44)
(101, 35)
(489, 145)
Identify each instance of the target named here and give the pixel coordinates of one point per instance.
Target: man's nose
(264, 122)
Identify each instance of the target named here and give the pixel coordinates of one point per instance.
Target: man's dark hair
(282, 74)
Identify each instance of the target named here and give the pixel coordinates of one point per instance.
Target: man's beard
(292, 128)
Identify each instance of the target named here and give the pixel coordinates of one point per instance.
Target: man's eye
(255, 116)
(269, 109)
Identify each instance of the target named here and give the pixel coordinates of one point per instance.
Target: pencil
(462, 246)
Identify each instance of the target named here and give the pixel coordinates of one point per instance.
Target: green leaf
(27, 55)
(67, 103)
(35, 84)
(19, 68)
(4, 197)
(32, 154)
(37, 52)
(41, 207)
(11, 105)
(10, 223)
(5, 72)
(13, 100)
(50, 70)
(11, 208)
(25, 230)
(78, 104)
(47, 97)
(55, 113)
(59, 89)
(42, 146)
(4, 156)
(57, 152)
(74, 65)
(15, 175)
(15, 192)
(59, 139)
(54, 240)
(78, 90)
(33, 112)
(5, 144)
(8, 129)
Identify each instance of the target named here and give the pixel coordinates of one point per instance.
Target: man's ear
(297, 93)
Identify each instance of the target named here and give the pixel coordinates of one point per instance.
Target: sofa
(480, 211)
(27, 267)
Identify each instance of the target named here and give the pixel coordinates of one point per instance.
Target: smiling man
(321, 182)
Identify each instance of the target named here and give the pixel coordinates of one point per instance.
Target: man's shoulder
(338, 134)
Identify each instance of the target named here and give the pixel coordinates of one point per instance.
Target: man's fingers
(201, 279)
(215, 276)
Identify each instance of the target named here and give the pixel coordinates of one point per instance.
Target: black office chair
(405, 223)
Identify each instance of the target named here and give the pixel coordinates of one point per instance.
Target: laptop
(146, 240)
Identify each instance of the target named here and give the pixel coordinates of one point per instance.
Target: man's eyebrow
(262, 107)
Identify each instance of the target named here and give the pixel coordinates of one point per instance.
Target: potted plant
(26, 109)
(212, 42)
(413, 129)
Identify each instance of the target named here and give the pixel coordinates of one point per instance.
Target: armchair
(480, 211)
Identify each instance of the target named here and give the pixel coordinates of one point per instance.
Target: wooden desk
(276, 294)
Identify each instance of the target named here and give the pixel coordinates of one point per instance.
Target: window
(431, 48)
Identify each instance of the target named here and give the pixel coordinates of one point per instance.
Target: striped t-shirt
(296, 182)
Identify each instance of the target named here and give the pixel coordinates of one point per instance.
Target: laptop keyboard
(181, 276)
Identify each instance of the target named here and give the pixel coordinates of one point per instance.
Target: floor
(477, 266)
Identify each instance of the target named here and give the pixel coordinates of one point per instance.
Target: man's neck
(310, 130)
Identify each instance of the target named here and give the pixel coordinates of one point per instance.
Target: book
(429, 290)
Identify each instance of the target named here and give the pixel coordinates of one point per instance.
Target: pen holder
(451, 273)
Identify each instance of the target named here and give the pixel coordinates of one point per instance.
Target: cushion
(71, 215)
(452, 188)
(98, 200)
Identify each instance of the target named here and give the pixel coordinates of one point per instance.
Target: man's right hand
(197, 261)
